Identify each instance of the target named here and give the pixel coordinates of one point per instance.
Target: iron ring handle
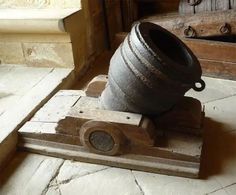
(194, 3)
(202, 87)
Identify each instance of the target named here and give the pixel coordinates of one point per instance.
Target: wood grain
(96, 86)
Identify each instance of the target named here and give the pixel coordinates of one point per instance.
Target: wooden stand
(73, 126)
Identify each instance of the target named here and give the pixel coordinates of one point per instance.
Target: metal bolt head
(225, 29)
(189, 32)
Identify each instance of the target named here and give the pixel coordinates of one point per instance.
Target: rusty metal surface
(150, 72)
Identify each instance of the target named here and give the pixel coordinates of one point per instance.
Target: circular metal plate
(101, 140)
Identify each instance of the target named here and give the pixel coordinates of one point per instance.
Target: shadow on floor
(219, 147)
(12, 167)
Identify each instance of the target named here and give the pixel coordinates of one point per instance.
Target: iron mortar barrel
(150, 72)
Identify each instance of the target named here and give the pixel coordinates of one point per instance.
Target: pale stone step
(35, 16)
(35, 38)
(32, 26)
(37, 54)
(34, 20)
(31, 14)
(40, 4)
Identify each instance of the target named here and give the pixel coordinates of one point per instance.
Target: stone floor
(32, 174)
(36, 174)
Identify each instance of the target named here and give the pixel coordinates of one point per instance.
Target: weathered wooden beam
(212, 50)
(198, 25)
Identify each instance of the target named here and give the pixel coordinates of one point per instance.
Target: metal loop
(189, 32)
(194, 2)
(202, 87)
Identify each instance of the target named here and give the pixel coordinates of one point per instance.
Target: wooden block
(187, 116)
(89, 108)
(96, 86)
(70, 119)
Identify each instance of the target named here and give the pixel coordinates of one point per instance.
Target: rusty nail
(225, 29)
(194, 2)
(189, 32)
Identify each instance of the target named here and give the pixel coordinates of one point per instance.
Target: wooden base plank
(173, 145)
(128, 161)
(173, 153)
